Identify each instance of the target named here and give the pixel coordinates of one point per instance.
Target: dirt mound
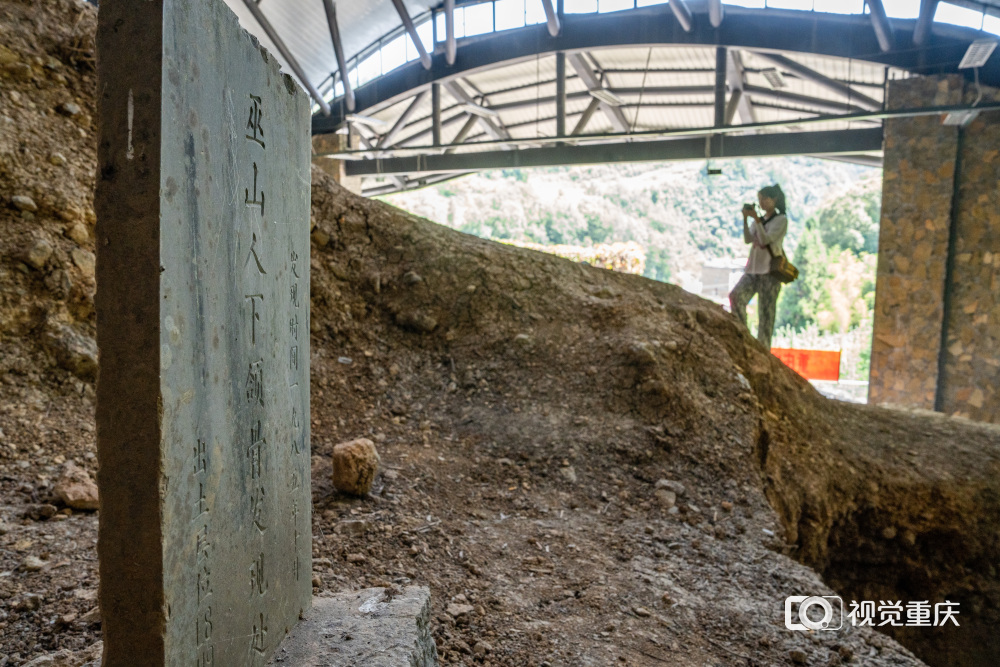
(537, 366)
(581, 464)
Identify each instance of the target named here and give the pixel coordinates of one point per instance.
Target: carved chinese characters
(203, 325)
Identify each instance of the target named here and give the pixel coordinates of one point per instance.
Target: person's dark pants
(766, 287)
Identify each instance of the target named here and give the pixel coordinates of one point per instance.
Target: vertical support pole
(561, 94)
(450, 43)
(720, 86)
(436, 113)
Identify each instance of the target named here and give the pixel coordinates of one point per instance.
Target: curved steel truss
(672, 81)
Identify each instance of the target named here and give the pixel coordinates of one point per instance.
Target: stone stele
(203, 330)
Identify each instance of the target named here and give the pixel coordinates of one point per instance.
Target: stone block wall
(970, 378)
(918, 183)
(918, 303)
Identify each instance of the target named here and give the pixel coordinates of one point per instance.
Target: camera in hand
(749, 207)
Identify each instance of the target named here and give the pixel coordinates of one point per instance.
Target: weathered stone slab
(203, 330)
(369, 627)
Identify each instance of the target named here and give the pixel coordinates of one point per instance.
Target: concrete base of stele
(374, 627)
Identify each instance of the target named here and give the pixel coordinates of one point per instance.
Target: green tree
(800, 301)
(850, 221)
(658, 264)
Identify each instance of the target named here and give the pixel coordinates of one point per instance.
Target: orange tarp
(811, 364)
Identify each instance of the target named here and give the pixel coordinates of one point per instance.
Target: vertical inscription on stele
(225, 435)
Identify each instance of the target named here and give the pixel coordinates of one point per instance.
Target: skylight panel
(509, 14)
(955, 15)
(604, 6)
(579, 6)
(479, 19)
(534, 12)
(370, 68)
(840, 6)
(991, 24)
(394, 54)
(902, 9)
(803, 5)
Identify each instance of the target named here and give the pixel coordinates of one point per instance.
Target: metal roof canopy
(627, 80)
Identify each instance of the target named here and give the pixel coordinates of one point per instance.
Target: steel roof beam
(738, 100)
(881, 25)
(338, 51)
(842, 89)
(592, 82)
(463, 98)
(841, 36)
(687, 148)
(585, 117)
(924, 21)
(400, 181)
(450, 43)
(551, 18)
(561, 94)
(715, 13)
(389, 137)
(683, 14)
(720, 86)
(681, 91)
(470, 122)
(861, 158)
(287, 55)
(404, 15)
(436, 113)
(826, 106)
(433, 179)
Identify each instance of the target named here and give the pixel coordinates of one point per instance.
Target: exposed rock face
(355, 464)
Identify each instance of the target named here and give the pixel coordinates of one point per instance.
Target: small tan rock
(69, 109)
(76, 488)
(24, 203)
(664, 498)
(70, 213)
(417, 321)
(57, 159)
(32, 564)
(85, 261)
(39, 253)
(355, 464)
(456, 610)
(78, 233)
(320, 237)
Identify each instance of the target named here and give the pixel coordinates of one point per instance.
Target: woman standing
(764, 236)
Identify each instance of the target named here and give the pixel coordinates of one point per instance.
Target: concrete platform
(369, 628)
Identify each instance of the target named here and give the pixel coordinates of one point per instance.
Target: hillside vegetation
(681, 217)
